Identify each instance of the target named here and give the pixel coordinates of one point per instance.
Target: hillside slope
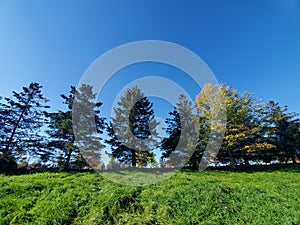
(209, 197)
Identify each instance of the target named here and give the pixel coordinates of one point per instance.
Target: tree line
(31, 135)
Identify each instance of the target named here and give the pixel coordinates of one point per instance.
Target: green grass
(209, 197)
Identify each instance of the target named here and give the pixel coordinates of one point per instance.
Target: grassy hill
(209, 197)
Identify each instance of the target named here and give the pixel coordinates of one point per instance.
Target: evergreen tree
(2, 119)
(62, 140)
(282, 129)
(7, 161)
(132, 133)
(180, 144)
(173, 132)
(61, 127)
(88, 125)
(3, 114)
(24, 116)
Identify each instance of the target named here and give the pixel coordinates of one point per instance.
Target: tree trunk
(7, 148)
(69, 154)
(133, 158)
(246, 158)
(294, 158)
(67, 162)
(195, 161)
(232, 162)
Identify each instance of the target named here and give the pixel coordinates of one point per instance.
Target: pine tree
(132, 133)
(88, 125)
(2, 119)
(182, 131)
(3, 115)
(282, 129)
(7, 161)
(61, 127)
(23, 117)
(62, 137)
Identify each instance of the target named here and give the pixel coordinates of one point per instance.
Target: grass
(209, 197)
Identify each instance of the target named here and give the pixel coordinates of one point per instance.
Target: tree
(173, 131)
(62, 137)
(244, 132)
(282, 129)
(132, 131)
(180, 144)
(23, 116)
(88, 125)
(211, 112)
(8, 161)
(61, 127)
(2, 120)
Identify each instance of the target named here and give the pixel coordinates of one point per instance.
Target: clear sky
(252, 45)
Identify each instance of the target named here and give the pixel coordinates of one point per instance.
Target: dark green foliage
(62, 133)
(173, 131)
(7, 163)
(181, 140)
(283, 131)
(22, 117)
(132, 133)
(255, 132)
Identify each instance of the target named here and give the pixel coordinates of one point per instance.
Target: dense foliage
(131, 133)
(22, 117)
(256, 132)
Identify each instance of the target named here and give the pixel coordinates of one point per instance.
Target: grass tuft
(209, 197)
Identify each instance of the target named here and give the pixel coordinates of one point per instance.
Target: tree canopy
(245, 131)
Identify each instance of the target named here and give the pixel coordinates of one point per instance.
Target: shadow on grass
(242, 168)
(260, 168)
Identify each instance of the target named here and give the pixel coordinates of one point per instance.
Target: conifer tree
(282, 130)
(23, 116)
(61, 129)
(180, 144)
(132, 131)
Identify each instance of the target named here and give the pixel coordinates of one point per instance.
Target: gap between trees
(31, 136)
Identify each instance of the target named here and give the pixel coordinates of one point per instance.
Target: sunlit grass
(138, 177)
(209, 197)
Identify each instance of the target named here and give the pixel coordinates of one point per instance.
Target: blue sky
(253, 46)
